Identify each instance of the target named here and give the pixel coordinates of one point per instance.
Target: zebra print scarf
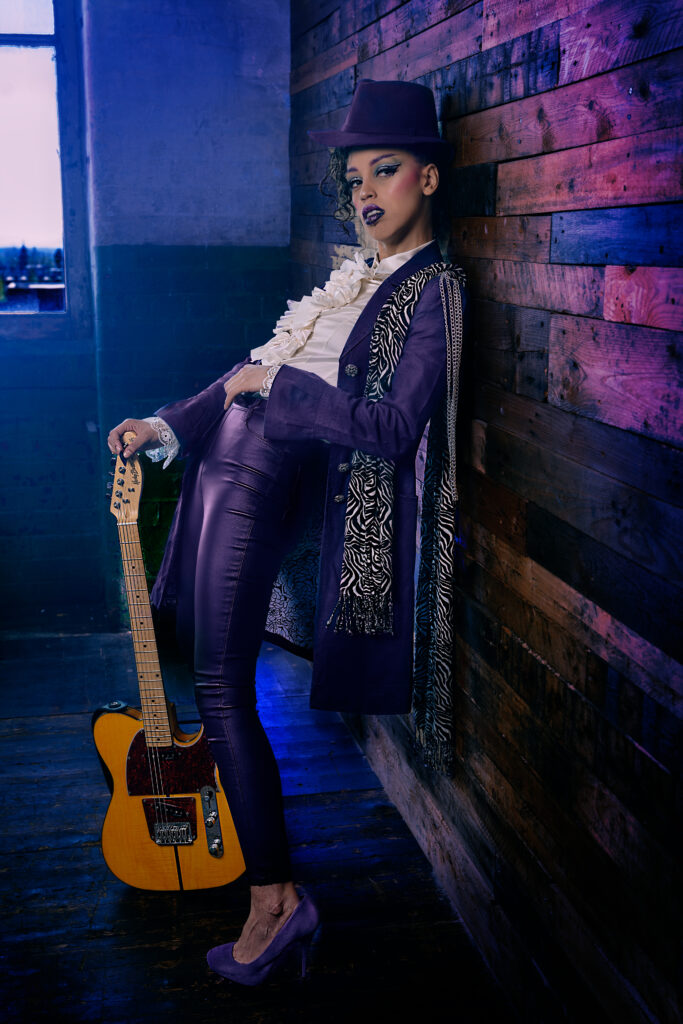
(365, 594)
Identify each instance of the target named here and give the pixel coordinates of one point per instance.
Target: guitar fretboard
(152, 696)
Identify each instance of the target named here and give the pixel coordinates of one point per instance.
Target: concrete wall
(186, 113)
(187, 120)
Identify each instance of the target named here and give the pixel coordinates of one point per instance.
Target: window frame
(76, 319)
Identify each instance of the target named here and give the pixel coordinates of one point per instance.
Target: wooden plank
(457, 866)
(631, 523)
(635, 460)
(506, 19)
(348, 19)
(637, 235)
(309, 168)
(503, 238)
(325, 255)
(563, 743)
(497, 509)
(491, 583)
(511, 347)
(403, 23)
(472, 191)
(543, 812)
(322, 229)
(309, 201)
(436, 807)
(612, 33)
(539, 285)
(622, 172)
(627, 376)
(328, 95)
(306, 278)
(625, 102)
(647, 603)
(301, 142)
(308, 13)
(645, 295)
(520, 67)
(589, 626)
(450, 40)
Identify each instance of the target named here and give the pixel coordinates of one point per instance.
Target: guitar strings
(141, 619)
(139, 608)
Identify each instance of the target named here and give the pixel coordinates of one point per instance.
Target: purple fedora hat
(388, 113)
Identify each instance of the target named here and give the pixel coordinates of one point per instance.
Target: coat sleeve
(190, 418)
(303, 406)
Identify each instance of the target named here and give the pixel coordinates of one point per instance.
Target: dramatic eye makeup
(381, 170)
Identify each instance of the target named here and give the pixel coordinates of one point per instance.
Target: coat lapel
(366, 321)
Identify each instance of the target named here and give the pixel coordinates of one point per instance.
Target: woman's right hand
(145, 437)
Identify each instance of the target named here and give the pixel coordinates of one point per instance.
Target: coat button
(350, 370)
(343, 467)
(339, 498)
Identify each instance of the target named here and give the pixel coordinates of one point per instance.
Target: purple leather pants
(241, 507)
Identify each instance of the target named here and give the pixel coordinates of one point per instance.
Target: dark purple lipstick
(371, 214)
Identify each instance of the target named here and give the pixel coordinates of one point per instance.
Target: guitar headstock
(126, 487)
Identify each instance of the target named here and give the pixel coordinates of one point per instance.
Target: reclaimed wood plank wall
(556, 835)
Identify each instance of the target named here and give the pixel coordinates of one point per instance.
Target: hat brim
(369, 140)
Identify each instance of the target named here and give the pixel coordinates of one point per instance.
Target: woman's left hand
(249, 378)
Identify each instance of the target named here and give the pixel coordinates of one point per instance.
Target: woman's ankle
(273, 900)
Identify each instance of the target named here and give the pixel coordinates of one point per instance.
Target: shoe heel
(304, 949)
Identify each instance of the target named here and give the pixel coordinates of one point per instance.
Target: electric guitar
(168, 825)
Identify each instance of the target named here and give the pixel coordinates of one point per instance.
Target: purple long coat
(368, 674)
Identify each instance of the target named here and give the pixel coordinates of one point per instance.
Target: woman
(351, 378)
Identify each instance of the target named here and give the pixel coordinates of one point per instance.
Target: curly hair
(335, 186)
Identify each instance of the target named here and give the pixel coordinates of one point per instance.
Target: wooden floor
(78, 945)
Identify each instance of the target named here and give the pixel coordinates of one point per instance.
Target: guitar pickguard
(176, 769)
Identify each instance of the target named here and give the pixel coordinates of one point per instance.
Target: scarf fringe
(436, 753)
(363, 613)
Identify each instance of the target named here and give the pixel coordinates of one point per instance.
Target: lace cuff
(268, 380)
(170, 445)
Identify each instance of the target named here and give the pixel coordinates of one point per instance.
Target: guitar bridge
(176, 834)
(172, 821)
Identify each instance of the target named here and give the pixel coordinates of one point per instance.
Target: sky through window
(26, 16)
(30, 175)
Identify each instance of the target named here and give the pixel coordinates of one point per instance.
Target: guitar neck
(155, 717)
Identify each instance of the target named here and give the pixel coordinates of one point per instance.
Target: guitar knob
(216, 846)
(210, 819)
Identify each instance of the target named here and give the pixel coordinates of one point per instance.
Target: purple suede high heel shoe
(295, 935)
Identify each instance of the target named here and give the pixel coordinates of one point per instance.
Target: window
(43, 243)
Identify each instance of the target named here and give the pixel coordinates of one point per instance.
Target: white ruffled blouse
(311, 334)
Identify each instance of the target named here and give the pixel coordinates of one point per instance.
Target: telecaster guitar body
(168, 825)
(168, 842)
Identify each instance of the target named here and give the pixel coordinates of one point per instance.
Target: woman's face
(391, 190)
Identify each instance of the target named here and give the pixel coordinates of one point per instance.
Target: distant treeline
(9, 255)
